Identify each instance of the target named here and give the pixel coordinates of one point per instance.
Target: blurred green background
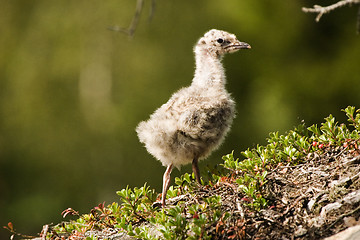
(72, 92)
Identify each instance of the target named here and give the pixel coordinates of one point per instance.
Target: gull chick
(196, 119)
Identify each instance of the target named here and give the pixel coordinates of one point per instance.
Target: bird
(196, 119)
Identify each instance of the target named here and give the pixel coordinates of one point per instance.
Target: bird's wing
(199, 120)
(192, 113)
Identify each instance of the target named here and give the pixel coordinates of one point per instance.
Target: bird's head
(217, 42)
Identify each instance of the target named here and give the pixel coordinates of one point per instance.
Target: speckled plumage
(196, 119)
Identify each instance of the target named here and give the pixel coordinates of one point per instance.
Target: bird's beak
(237, 46)
(241, 45)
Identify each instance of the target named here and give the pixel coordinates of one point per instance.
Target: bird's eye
(220, 40)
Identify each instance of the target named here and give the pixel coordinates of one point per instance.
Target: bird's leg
(196, 171)
(166, 183)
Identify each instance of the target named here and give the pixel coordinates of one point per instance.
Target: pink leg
(196, 171)
(166, 183)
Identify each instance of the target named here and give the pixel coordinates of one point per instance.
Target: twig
(342, 216)
(322, 10)
(291, 166)
(297, 200)
(341, 152)
(11, 229)
(44, 232)
(152, 9)
(135, 20)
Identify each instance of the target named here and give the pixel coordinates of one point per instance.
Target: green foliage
(252, 177)
(291, 148)
(331, 133)
(136, 203)
(185, 220)
(354, 120)
(188, 223)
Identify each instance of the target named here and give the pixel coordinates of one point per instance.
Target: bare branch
(322, 10)
(135, 20)
(152, 9)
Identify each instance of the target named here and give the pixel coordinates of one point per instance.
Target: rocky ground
(313, 200)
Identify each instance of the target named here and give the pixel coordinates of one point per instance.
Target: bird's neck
(209, 71)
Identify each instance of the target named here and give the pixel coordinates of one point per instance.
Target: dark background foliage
(72, 92)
